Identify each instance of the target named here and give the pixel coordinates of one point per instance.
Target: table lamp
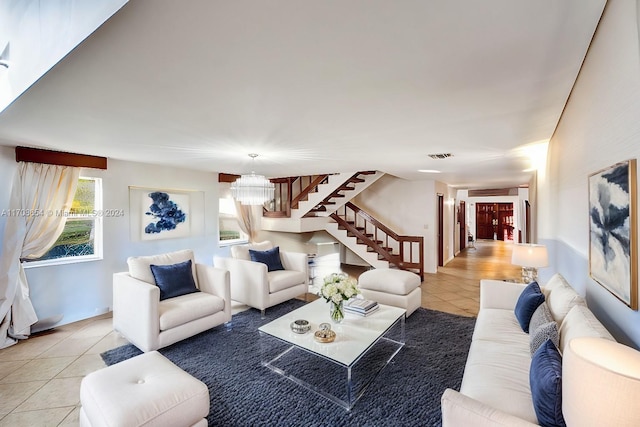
(600, 383)
(530, 257)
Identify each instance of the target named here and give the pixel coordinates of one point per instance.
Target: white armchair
(150, 322)
(251, 282)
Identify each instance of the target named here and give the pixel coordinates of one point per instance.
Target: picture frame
(613, 230)
(158, 213)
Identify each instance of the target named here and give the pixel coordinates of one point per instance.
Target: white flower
(329, 290)
(339, 287)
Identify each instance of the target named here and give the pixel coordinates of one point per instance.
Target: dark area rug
(245, 393)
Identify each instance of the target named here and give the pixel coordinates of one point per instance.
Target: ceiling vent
(440, 156)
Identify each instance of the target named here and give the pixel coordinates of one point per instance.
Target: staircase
(335, 192)
(374, 242)
(322, 202)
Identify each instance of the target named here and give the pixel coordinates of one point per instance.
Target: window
(81, 239)
(229, 229)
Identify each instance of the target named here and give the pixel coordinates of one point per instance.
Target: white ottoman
(145, 390)
(399, 288)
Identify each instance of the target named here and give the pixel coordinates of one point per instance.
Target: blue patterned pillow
(269, 257)
(174, 280)
(545, 380)
(530, 298)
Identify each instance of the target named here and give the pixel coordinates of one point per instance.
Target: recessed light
(428, 171)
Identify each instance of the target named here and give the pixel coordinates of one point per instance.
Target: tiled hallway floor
(40, 377)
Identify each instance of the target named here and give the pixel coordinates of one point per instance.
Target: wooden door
(484, 221)
(462, 219)
(505, 221)
(440, 230)
(527, 222)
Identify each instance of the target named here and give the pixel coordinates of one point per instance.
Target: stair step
(356, 180)
(346, 188)
(327, 202)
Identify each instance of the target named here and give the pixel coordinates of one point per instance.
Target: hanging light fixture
(252, 189)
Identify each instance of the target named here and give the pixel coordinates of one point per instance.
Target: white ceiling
(316, 86)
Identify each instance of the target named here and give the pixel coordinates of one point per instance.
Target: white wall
(407, 207)
(599, 127)
(82, 290)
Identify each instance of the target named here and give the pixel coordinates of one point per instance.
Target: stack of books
(361, 307)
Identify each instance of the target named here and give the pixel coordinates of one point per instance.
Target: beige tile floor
(40, 377)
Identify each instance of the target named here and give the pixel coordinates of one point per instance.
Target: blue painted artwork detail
(167, 212)
(610, 219)
(610, 229)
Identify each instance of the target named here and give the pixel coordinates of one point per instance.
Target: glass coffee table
(340, 370)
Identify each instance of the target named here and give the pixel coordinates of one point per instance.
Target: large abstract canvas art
(165, 214)
(612, 231)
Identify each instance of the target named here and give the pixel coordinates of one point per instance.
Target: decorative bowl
(300, 326)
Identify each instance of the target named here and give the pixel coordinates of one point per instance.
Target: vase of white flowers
(336, 289)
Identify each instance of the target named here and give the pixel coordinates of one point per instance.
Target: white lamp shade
(529, 255)
(600, 383)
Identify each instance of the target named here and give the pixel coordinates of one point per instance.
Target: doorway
(494, 221)
(462, 220)
(440, 230)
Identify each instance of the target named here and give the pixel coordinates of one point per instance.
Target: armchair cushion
(174, 280)
(181, 310)
(270, 257)
(284, 279)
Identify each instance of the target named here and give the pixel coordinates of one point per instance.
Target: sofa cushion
(557, 280)
(284, 279)
(545, 378)
(498, 375)
(270, 257)
(581, 322)
(541, 316)
(499, 326)
(544, 332)
(140, 266)
(530, 298)
(174, 280)
(186, 308)
(561, 299)
(242, 251)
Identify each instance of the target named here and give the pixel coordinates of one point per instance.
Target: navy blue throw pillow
(269, 257)
(545, 380)
(530, 298)
(174, 280)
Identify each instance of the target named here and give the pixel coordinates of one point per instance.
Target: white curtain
(246, 219)
(40, 193)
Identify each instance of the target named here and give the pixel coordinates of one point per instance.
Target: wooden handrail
(381, 239)
(304, 193)
(290, 192)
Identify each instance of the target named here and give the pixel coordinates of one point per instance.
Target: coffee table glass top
(353, 336)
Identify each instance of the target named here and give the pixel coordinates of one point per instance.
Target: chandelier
(252, 189)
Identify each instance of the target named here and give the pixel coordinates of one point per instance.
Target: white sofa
(149, 323)
(495, 388)
(254, 285)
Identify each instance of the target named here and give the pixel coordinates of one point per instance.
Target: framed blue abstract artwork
(165, 214)
(613, 230)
